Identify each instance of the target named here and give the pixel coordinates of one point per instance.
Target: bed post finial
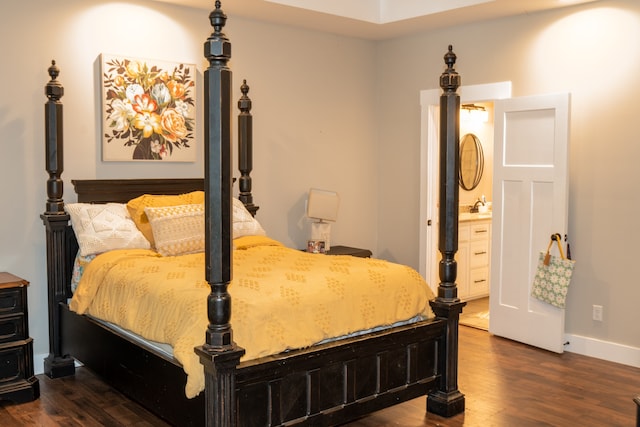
(245, 149)
(447, 399)
(218, 19)
(54, 161)
(219, 355)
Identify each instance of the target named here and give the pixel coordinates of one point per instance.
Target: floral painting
(148, 110)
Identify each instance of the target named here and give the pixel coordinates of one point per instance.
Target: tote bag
(553, 276)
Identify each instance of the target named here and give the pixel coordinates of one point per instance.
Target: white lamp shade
(323, 205)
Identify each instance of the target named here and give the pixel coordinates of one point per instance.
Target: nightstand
(17, 381)
(346, 250)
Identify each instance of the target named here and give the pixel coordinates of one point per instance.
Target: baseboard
(38, 363)
(605, 350)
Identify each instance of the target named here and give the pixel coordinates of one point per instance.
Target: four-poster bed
(323, 384)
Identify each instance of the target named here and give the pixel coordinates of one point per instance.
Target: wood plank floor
(505, 384)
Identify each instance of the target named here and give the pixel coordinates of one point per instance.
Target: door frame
(429, 166)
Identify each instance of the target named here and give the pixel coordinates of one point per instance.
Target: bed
(327, 383)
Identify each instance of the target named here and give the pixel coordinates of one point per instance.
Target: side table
(347, 250)
(17, 381)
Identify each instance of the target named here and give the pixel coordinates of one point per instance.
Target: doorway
(483, 95)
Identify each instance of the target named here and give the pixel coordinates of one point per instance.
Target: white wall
(313, 98)
(591, 51)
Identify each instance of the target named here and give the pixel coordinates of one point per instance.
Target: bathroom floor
(476, 314)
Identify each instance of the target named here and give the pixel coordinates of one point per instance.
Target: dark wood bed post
(219, 355)
(55, 220)
(448, 400)
(245, 149)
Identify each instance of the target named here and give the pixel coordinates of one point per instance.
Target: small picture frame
(316, 246)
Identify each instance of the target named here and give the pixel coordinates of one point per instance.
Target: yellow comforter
(282, 298)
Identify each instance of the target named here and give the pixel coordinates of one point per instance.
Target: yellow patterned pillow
(136, 208)
(177, 230)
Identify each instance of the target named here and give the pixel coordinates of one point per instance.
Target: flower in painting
(182, 108)
(132, 91)
(148, 123)
(173, 125)
(133, 69)
(158, 148)
(177, 89)
(160, 94)
(121, 115)
(148, 108)
(144, 104)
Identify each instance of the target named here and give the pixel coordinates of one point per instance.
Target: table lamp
(322, 206)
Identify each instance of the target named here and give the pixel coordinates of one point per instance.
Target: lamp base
(321, 231)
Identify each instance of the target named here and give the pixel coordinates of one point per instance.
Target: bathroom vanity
(473, 256)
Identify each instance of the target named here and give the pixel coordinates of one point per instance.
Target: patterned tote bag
(553, 275)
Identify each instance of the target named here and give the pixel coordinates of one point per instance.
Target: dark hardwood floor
(505, 383)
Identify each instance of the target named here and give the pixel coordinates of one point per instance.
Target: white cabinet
(473, 258)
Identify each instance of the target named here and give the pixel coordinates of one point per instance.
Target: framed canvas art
(148, 110)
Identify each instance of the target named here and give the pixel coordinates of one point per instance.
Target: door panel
(530, 203)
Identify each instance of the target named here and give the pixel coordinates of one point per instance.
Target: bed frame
(323, 385)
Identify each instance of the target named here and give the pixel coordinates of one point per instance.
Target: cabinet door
(479, 254)
(462, 259)
(479, 231)
(462, 280)
(479, 282)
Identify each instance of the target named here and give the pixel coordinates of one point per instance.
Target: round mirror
(471, 161)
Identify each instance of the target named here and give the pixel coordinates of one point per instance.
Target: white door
(530, 203)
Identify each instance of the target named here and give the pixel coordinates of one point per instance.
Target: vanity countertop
(468, 216)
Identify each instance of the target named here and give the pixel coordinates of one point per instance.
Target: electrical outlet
(597, 312)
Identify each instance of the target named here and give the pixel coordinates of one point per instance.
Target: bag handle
(554, 238)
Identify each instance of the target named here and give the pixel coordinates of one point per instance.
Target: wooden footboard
(327, 384)
(337, 382)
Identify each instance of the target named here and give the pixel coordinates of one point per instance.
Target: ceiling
(376, 19)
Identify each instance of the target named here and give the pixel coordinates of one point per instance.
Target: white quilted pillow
(104, 227)
(244, 224)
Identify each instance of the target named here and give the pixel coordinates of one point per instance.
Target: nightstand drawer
(13, 361)
(11, 301)
(12, 329)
